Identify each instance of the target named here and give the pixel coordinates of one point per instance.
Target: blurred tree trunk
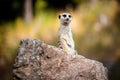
(28, 10)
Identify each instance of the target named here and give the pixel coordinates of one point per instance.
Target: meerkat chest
(65, 33)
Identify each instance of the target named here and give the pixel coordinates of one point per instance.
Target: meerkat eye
(70, 16)
(59, 16)
(64, 15)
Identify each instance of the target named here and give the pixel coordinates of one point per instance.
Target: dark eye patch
(59, 16)
(70, 16)
(64, 15)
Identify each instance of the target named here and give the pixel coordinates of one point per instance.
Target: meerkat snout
(65, 18)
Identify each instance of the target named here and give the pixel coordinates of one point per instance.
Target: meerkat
(65, 39)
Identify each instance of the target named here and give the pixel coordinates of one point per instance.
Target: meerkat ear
(59, 16)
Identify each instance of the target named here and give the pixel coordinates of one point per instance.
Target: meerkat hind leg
(67, 47)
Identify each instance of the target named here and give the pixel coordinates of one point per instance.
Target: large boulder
(37, 60)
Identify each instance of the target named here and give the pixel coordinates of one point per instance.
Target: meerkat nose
(67, 19)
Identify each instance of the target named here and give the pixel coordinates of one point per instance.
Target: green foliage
(40, 5)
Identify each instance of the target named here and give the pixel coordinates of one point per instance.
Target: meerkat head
(65, 18)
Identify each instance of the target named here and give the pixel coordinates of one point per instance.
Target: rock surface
(36, 60)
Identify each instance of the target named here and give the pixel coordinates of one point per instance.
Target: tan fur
(65, 38)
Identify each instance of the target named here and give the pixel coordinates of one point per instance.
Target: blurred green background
(95, 27)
